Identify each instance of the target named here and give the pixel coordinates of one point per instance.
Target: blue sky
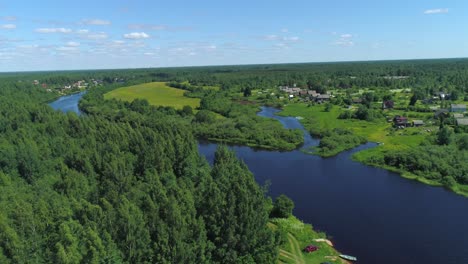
(63, 35)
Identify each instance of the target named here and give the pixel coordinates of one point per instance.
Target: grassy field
(157, 93)
(297, 236)
(315, 119)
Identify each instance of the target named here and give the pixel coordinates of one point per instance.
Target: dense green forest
(121, 189)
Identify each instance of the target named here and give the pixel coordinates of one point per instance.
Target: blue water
(370, 213)
(68, 103)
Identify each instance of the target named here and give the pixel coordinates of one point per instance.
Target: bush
(282, 207)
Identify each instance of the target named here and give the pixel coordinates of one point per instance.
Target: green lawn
(297, 236)
(157, 93)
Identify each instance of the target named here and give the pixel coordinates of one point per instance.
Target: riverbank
(318, 121)
(295, 236)
(364, 157)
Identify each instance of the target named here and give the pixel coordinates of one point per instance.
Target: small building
(322, 98)
(458, 115)
(441, 112)
(388, 104)
(462, 121)
(460, 108)
(357, 101)
(400, 121)
(418, 123)
(303, 93)
(312, 93)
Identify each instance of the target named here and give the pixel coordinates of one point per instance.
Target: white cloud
(66, 48)
(293, 39)
(96, 36)
(210, 47)
(271, 37)
(344, 43)
(119, 42)
(8, 26)
(96, 22)
(29, 46)
(282, 45)
(436, 11)
(82, 31)
(9, 18)
(284, 30)
(147, 27)
(345, 40)
(73, 44)
(148, 53)
(53, 30)
(280, 38)
(136, 35)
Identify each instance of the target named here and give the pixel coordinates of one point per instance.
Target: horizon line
(232, 65)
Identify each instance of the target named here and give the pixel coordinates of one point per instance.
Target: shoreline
(402, 173)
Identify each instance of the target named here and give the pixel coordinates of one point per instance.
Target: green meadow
(316, 120)
(157, 93)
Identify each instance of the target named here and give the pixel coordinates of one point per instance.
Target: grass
(157, 93)
(296, 236)
(316, 120)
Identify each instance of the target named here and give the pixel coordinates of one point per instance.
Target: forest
(123, 189)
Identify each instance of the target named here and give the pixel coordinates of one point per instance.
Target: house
(357, 101)
(312, 93)
(462, 121)
(303, 93)
(458, 116)
(418, 123)
(441, 112)
(322, 98)
(400, 121)
(461, 108)
(388, 104)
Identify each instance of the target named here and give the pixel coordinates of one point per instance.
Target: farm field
(157, 93)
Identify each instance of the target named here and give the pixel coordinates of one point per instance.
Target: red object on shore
(310, 248)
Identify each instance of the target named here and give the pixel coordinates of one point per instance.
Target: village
(81, 85)
(454, 112)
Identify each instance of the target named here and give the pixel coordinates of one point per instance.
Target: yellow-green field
(157, 93)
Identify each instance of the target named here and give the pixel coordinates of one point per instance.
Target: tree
(282, 207)
(444, 136)
(247, 92)
(187, 110)
(205, 116)
(463, 142)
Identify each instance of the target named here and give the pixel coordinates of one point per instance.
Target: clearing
(156, 93)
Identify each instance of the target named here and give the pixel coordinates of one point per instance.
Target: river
(370, 213)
